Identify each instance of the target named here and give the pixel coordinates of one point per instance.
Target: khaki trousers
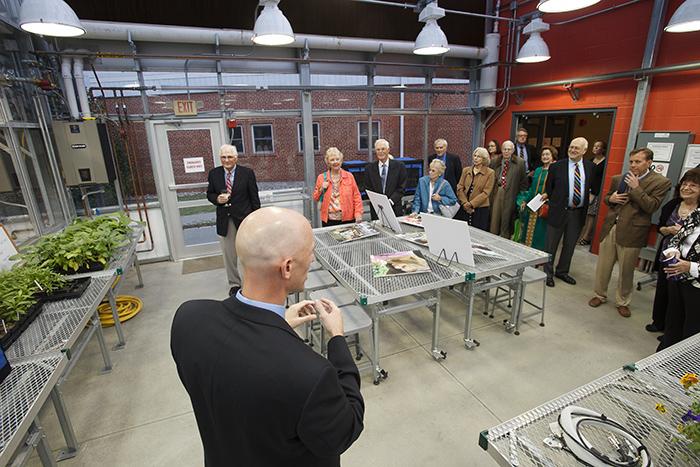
(228, 247)
(626, 258)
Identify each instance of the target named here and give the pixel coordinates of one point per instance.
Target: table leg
(137, 266)
(469, 343)
(117, 324)
(437, 354)
(42, 445)
(513, 324)
(101, 340)
(378, 373)
(59, 404)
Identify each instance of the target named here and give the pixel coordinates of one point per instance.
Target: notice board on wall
(671, 147)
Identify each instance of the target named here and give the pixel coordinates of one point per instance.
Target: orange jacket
(350, 199)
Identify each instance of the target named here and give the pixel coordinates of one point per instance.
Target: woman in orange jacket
(337, 192)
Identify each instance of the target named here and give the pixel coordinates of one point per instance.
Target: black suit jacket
(453, 170)
(557, 188)
(533, 159)
(261, 396)
(244, 196)
(395, 183)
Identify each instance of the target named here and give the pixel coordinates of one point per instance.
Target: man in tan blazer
(511, 179)
(631, 200)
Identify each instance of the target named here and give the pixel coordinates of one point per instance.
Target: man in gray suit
(511, 179)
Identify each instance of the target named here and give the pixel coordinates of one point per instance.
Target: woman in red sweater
(337, 192)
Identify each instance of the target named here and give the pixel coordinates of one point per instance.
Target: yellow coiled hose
(128, 306)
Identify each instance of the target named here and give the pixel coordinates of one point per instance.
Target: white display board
(692, 158)
(384, 210)
(448, 238)
(7, 249)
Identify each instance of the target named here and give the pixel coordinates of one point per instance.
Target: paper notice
(535, 203)
(662, 151)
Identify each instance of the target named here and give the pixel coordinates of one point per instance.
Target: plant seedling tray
(20, 326)
(73, 289)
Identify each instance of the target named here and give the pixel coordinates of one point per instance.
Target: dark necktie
(506, 164)
(383, 175)
(577, 186)
(523, 156)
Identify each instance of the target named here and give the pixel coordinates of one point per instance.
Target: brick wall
(285, 161)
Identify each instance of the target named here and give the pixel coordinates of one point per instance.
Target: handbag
(446, 210)
(320, 199)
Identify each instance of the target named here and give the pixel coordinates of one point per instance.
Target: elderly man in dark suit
(453, 170)
(386, 176)
(234, 191)
(526, 152)
(261, 396)
(511, 179)
(568, 190)
(632, 199)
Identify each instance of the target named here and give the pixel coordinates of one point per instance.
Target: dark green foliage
(19, 285)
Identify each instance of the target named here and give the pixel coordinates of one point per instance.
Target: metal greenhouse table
(628, 395)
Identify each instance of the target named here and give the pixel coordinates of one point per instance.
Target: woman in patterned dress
(535, 225)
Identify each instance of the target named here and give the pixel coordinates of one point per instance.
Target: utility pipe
(68, 85)
(80, 85)
(104, 30)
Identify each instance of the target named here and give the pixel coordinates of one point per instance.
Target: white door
(186, 151)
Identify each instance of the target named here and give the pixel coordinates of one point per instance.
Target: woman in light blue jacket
(433, 190)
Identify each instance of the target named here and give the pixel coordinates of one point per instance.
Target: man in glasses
(234, 191)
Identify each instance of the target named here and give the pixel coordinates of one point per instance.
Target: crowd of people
(540, 201)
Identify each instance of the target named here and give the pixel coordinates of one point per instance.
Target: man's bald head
(577, 148)
(268, 236)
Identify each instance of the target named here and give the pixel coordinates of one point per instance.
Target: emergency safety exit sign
(185, 107)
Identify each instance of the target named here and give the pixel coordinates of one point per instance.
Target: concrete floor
(425, 413)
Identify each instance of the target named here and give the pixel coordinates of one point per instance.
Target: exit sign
(185, 108)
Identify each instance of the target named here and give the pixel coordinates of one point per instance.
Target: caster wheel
(376, 382)
(359, 356)
(517, 333)
(541, 325)
(491, 316)
(384, 374)
(444, 354)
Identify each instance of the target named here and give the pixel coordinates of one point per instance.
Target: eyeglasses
(228, 157)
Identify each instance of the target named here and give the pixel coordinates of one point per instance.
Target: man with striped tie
(234, 191)
(568, 191)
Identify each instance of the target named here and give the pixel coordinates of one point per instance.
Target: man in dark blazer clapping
(568, 190)
(261, 396)
(386, 176)
(234, 191)
(453, 166)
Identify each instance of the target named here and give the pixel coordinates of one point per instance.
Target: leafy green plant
(82, 245)
(19, 286)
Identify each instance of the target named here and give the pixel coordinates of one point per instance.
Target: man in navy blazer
(234, 191)
(261, 396)
(568, 200)
(392, 183)
(453, 165)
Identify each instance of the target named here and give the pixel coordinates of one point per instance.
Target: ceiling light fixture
(431, 40)
(49, 18)
(560, 6)
(686, 18)
(535, 49)
(272, 27)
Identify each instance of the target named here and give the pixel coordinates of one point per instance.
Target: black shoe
(233, 290)
(653, 328)
(566, 278)
(550, 281)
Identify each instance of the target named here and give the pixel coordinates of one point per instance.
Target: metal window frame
(272, 137)
(318, 137)
(231, 130)
(379, 134)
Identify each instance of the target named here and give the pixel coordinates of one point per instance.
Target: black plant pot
(20, 326)
(73, 289)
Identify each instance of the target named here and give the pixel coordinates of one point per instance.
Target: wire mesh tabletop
(628, 396)
(22, 394)
(60, 322)
(350, 263)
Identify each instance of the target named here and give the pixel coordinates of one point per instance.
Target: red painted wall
(608, 43)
